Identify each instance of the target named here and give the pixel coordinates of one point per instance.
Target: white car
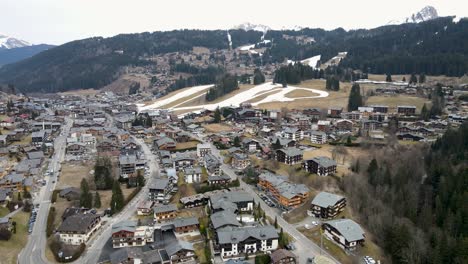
(315, 223)
(369, 260)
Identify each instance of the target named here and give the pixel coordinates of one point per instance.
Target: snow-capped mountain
(12, 43)
(427, 13)
(249, 26)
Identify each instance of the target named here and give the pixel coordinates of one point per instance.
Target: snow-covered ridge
(425, 14)
(312, 61)
(7, 42)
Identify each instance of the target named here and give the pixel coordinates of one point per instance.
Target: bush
(50, 221)
(54, 196)
(5, 234)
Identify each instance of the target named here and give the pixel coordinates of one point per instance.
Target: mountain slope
(425, 14)
(7, 42)
(8, 56)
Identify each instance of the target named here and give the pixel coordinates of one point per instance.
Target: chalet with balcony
(322, 166)
(327, 205)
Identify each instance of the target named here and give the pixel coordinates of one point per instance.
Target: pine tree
(149, 121)
(86, 198)
(217, 116)
(276, 222)
(422, 78)
(413, 79)
(425, 114)
(117, 199)
(236, 141)
(97, 200)
(258, 77)
(277, 144)
(103, 173)
(355, 98)
(389, 78)
(140, 179)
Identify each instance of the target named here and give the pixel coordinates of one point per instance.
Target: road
(96, 244)
(305, 247)
(34, 252)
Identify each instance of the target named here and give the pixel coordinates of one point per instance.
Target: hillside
(8, 56)
(435, 47)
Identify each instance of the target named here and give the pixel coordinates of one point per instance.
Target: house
(323, 125)
(130, 234)
(237, 201)
(313, 113)
(222, 219)
(70, 193)
(293, 133)
(287, 194)
(335, 111)
(289, 156)
(407, 110)
(212, 164)
(318, 137)
(221, 179)
(164, 212)
(371, 125)
(38, 138)
(380, 108)
(344, 125)
(145, 208)
(6, 223)
(186, 225)
(409, 137)
(345, 233)
(127, 164)
(183, 160)
(78, 228)
(283, 256)
(181, 251)
(4, 140)
(76, 149)
(327, 205)
(250, 145)
(159, 190)
(240, 161)
(322, 166)
(14, 181)
(165, 143)
(5, 195)
(238, 241)
(203, 149)
(192, 175)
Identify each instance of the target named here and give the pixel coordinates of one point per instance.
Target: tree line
(224, 85)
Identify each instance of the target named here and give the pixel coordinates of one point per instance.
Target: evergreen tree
(86, 198)
(217, 116)
(97, 200)
(355, 98)
(258, 77)
(103, 173)
(276, 222)
(403, 79)
(425, 114)
(149, 121)
(372, 171)
(237, 142)
(389, 78)
(277, 144)
(117, 199)
(413, 79)
(140, 179)
(422, 78)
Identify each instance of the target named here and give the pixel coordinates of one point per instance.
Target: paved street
(95, 246)
(34, 252)
(305, 247)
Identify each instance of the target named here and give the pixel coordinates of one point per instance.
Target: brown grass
(300, 93)
(73, 173)
(10, 249)
(263, 96)
(187, 145)
(216, 128)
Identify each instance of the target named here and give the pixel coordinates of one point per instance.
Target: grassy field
(73, 173)
(300, 93)
(200, 252)
(263, 96)
(187, 145)
(9, 250)
(4, 211)
(216, 128)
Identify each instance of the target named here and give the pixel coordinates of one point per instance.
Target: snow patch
(7, 42)
(229, 39)
(312, 61)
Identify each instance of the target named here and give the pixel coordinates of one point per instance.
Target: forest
(413, 199)
(224, 85)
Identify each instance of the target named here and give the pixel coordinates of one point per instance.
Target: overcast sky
(60, 21)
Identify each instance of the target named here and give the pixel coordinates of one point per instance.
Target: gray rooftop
(292, 151)
(325, 199)
(349, 229)
(224, 218)
(324, 161)
(165, 208)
